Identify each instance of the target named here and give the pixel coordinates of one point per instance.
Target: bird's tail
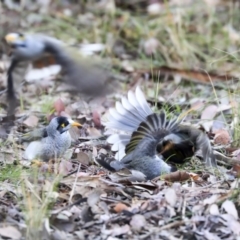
(204, 144)
(156, 126)
(127, 116)
(105, 162)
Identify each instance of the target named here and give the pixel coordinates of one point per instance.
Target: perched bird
(53, 140)
(149, 139)
(82, 77)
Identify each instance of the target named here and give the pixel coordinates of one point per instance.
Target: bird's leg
(45, 167)
(51, 164)
(37, 163)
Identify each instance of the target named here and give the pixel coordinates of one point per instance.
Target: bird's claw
(36, 163)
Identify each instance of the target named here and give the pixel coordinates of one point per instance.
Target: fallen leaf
(59, 106)
(236, 169)
(96, 119)
(120, 207)
(31, 121)
(195, 177)
(116, 231)
(222, 137)
(126, 65)
(93, 132)
(126, 174)
(232, 223)
(230, 208)
(214, 209)
(94, 197)
(138, 222)
(210, 200)
(83, 158)
(171, 197)
(209, 112)
(177, 176)
(236, 154)
(65, 167)
(10, 232)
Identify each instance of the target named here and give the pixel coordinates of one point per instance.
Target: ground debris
(176, 57)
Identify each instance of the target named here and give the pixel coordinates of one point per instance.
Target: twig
(171, 225)
(74, 184)
(69, 174)
(81, 200)
(221, 157)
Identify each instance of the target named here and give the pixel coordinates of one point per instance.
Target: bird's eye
(21, 36)
(63, 125)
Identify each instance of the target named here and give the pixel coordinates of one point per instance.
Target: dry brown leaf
(195, 177)
(31, 121)
(7, 157)
(120, 207)
(64, 167)
(222, 137)
(96, 119)
(83, 158)
(236, 154)
(10, 232)
(236, 169)
(189, 74)
(138, 222)
(177, 176)
(59, 106)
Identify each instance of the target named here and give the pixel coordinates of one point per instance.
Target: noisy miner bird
(53, 140)
(149, 139)
(84, 78)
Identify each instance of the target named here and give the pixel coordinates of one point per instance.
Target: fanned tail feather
(155, 126)
(203, 142)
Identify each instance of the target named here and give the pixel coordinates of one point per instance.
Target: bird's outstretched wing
(36, 134)
(175, 141)
(83, 77)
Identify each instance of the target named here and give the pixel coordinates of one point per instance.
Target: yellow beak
(11, 37)
(76, 124)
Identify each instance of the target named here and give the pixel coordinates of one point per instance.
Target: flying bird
(81, 76)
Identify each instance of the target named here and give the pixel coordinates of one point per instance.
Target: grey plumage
(141, 149)
(36, 134)
(54, 140)
(175, 146)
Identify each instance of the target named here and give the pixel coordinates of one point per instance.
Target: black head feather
(62, 124)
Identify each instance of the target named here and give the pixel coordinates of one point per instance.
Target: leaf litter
(76, 198)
